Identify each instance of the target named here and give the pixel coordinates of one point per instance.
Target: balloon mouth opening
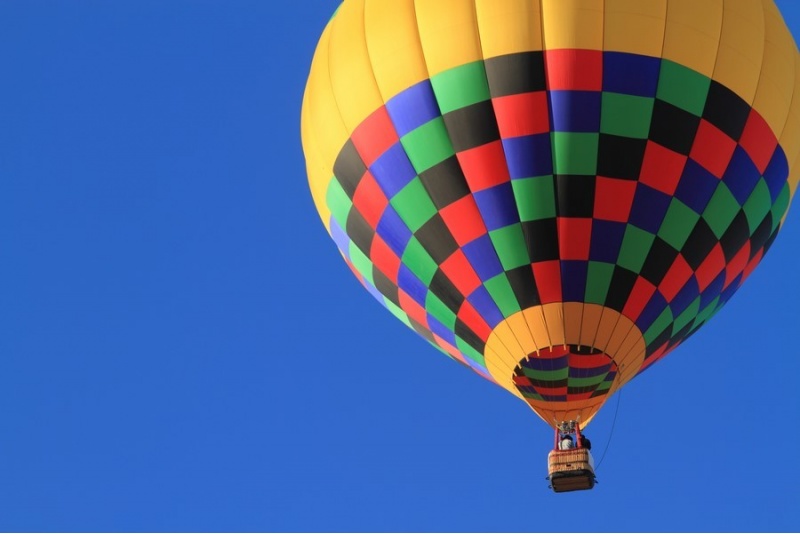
(565, 374)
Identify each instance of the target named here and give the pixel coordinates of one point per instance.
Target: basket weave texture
(569, 460)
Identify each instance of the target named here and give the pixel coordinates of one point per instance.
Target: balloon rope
(611, 435)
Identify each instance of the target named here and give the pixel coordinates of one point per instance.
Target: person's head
(567, 437)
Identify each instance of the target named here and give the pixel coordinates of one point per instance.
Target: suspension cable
(611, 435)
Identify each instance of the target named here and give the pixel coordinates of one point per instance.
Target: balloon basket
(570, 470)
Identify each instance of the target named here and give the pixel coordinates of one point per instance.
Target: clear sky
(181, 347)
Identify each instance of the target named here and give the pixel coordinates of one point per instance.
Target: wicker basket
(571, 470)
(569, 460)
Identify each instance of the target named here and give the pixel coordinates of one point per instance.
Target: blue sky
(181, 348)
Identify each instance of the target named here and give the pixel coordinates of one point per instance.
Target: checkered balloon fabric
(552, 206)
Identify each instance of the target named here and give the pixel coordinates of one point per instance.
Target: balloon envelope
(555, 193)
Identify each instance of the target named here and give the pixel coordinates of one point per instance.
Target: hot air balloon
(554, 193)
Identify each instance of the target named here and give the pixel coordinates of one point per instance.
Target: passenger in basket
(566, 443)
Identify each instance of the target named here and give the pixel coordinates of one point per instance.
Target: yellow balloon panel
(573, 24)
(692, 34)
(522, 332)
(790, 137)
(573, 319)
(741, 48)
(394, 46)
(635, 27)
(777, 80)
(537, 325)
(509, 26)
(322, 129)
(590, 325)
(351, 71)
(443, 23)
